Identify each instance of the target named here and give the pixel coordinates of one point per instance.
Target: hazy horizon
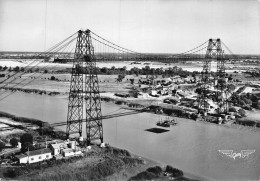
(121, 53)
(155, 26)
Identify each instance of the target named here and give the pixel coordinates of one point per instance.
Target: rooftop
(21, 156)
(59, 145)
(38, 152)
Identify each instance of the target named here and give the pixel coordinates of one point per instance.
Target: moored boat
(167, 122)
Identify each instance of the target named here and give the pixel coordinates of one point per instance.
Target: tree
(183, 75)
(198, 90)
(16, 69)
(26, 140)
(232, 109)
(120, 77)
(53, 78)
(5, 68)
(14, 142)
(231, 87)
(174, 92)
(147, 69)
(135, 71)
(45, 71)
(242, 112)
(104, 70)
(230, 78)
(247, 101)
(113, 68)
(132, 81)
(123, 69)
(241, 102)
(2, 145)
(47, 129)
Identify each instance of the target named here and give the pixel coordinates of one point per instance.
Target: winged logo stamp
(234, 155)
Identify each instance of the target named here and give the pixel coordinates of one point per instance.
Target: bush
(2, 145)
(242, 112)
(232, 109)
(247, 107)
(117, 151)
(105, 168)
(246, 122)
(14, 142)
(247, 101)
(120, 77)
(174, 171)
(242, 102)
(11, 173)
(194, 116)
(156, 170)
(53, 78)
(144, 176)
(130, 162)
(231, 87)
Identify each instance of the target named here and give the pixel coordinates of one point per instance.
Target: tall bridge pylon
(84, 91)
(220, 80)
(214, 52)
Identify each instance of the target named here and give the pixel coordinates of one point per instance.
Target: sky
(147, 26)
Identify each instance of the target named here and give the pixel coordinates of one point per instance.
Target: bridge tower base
(84, 92)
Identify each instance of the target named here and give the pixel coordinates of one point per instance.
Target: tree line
(147, 70)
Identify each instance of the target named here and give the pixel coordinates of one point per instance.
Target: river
(190, 146)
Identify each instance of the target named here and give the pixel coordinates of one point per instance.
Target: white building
(70, 152)
(58, 148)
(35, 156)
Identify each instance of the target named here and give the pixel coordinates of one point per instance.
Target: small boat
(167, 122)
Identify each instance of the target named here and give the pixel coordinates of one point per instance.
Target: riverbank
(14, 126)
(153, 105)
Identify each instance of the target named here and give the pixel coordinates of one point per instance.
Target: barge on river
(167, 123)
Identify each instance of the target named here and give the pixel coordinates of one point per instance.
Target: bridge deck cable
(192, 49)
(16, 84)
(115, 44)
(10, 82)
(231, 53)
(104, 117)
(47, 52)
(37, 64)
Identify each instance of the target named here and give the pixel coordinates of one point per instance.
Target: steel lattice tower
(221, 83)
(214, 52)
(84, 91)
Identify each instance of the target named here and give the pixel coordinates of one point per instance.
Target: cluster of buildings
(55, 150)
(180, 91)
